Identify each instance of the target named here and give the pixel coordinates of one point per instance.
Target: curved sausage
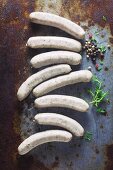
(59, 22)
(55, 57)
(62, 101)
(54, 42)
(61, 81)
(62, 121)
(43, 137)
(39, 77)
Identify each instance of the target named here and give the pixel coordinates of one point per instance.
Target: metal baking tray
(16, 118)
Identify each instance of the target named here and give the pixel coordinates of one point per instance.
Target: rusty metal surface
(16, 118)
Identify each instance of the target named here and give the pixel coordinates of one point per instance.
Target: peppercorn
(90, 36)
(89, 68)
(90, 46)
(108, 46)
(92, 54)
(94, 59)
(101, 56)
(96, 66)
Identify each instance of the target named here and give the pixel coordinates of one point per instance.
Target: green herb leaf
(102, 49)
(96, 33)
(93, 40)
(88, 136)
(104, 18)
(99, 69)
(101, 62)
(100, 110)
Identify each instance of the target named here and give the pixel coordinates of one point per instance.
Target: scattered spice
(87, 57)
(109, 47)
(89, 68)
(101, 56)
(104, 18)
(90, 36)
(93, 51)
(98, 68)
(106, 69)
(88, 136)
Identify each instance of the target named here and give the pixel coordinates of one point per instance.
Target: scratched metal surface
(16, 119)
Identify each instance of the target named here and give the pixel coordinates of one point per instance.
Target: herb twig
(98, 95)
(88, 136)
(104, 18)
(100, 110)
(102, 48)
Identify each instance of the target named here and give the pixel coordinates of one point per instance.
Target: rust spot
(15, 21)
(96, 151)
(90, 10)
(101, 126)
(111, 40)
(79, 145)
(109, 155)
(55, 164)
(71, 164)
(56, 158)
(77, 155)
(12, 62)
(25, 27)
(26, 14)
(28, 163)
(44, 156)
(16, 123)
(102, 35)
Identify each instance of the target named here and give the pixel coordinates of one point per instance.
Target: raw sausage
(55, 57)
(62, 101)
(54, 42)
(59, 22)
(60, 120)
(43, 137)
(61, 81)
(39, 77)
